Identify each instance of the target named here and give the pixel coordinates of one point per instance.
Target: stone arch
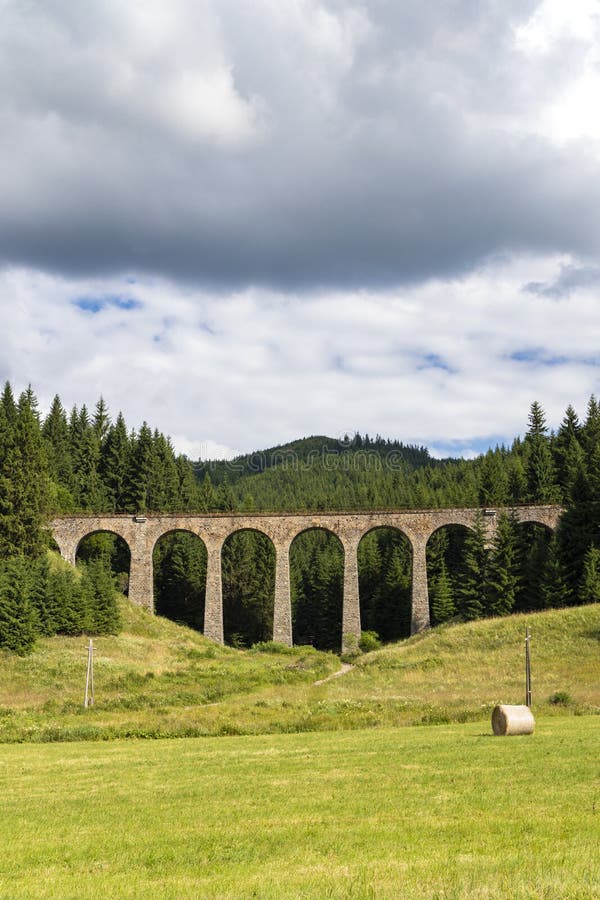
(444, 555)
(179, 563)
(109, 545)
(317, 560)
(385, 558)
(248, 559)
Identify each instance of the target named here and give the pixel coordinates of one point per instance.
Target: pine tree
(472, 583)
(114, 465)
(589, 586)
(163, 477)
(503, 567)
(8, 404)
(140, 464)
(101, 421)
(17, 618)
(102, 613)
(541, 479)
(24, 486)
(442, 599)
(55, 432)
(40, 578)
(493, 481)
(533, 541)
(555, 588)
(187, 489)
(206, 496)
(67, 602)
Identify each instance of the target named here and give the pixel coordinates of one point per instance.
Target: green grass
(158, 679)
(426, 812)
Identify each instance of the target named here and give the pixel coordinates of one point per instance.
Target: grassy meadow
(298, 788)
(158, 679)
(446, 811)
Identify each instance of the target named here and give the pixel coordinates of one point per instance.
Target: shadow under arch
(535, 549)
(385, 582)
(112, 549)
(248, 578)
(317, 585)
(445, 554)
(50, 543)
(179, 560)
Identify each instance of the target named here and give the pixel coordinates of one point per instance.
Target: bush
(369, 641)
(560, 698)
(272, 647)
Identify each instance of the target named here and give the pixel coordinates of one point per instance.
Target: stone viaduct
(141, 532)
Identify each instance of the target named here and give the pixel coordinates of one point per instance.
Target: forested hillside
(89, 461)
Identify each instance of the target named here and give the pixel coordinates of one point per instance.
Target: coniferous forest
(91, 461)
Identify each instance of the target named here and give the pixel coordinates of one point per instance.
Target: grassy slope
(447, 812)
(160, 679)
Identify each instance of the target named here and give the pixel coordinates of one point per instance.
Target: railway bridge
(141, 532)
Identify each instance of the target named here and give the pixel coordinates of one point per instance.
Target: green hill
(160, 679)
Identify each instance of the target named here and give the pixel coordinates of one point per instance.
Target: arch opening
(445, 554)
(112, 551)
(317, 584)
(536, 567)
(51, 543)
(179, 569)
(248, 573)
(385, 583)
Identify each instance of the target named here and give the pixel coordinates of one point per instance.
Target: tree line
(66, 462)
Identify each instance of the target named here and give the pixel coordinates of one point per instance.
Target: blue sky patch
(433, 361)
(95, 305)
(537, 356)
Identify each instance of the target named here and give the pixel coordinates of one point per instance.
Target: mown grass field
(446, 811)
(158, 679)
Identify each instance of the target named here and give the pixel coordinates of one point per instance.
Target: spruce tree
(101, 421)
(589, 586)
(140, 465)
(114, 465)
(442, 599)
(503, 568)
(17, 617)
(102, 612)
(24, 486)
(540, 473)
(55, 432)
(493, 481)
(471, 587)
(555, 588)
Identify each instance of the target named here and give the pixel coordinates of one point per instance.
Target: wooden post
(527, 669)
(88, 699)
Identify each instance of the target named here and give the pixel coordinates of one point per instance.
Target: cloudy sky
(252, 220)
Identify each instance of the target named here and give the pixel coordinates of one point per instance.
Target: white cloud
(451, 363)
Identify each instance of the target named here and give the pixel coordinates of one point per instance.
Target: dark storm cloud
(320, 143)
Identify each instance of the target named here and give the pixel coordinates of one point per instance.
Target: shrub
(560, 698)
(369, 641)
(272, 647)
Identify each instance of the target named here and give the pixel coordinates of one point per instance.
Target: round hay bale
(512, 720)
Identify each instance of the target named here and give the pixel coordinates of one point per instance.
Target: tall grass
(158, 679)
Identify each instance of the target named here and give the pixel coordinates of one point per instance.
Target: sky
(248, 221)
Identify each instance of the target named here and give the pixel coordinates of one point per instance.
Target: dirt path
(346, 667)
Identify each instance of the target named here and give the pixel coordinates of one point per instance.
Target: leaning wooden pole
(88, 699)
(527, 669)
